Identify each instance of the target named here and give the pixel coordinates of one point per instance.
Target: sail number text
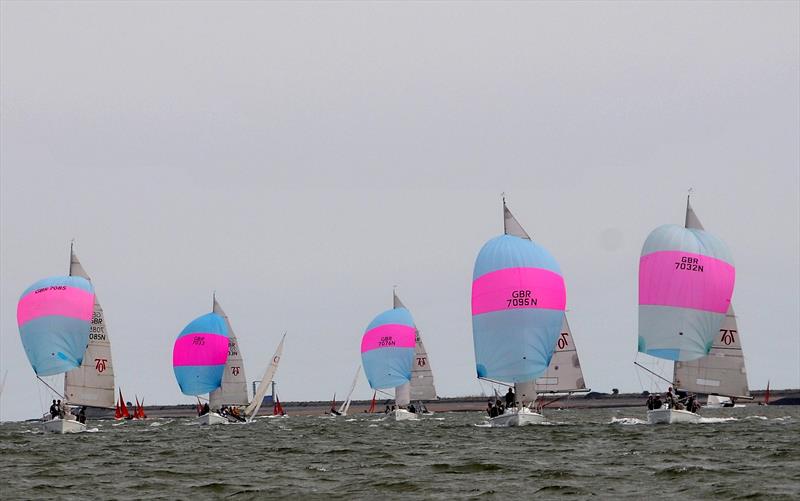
(386, 341)
(199, 340)
(689, 264)
(521, 298)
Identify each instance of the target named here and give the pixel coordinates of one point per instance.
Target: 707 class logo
(100, 364)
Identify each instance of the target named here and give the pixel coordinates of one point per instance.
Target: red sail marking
(277, 408)
(372, 404)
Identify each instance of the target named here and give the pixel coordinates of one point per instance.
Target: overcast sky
(301, 159)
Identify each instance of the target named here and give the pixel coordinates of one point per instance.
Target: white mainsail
(564, 373)
(525, 392)
(511, 226)
(346, 404)
(402, 395)
(722, 371)
(422, 386)
(233, 390)
(91, 384)
(252, 409)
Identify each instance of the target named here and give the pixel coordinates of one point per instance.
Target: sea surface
(745, 453)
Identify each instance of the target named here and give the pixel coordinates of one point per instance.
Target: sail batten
(92, 383)
(233, 389)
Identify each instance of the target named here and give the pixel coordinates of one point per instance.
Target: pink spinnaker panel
(674, 278)
(200, 349)
(518, 288)
(389, 336)
(72, 302)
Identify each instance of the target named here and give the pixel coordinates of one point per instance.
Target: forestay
(422, 385)
(686, 278)
(199, 354)
(54, 316)
(92, 383)
(722, 371)
(387, 349)
(233, 390)
(564, 373)
(518, 300)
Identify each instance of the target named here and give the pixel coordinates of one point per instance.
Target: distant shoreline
(592, 400)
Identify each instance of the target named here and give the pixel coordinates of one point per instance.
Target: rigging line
(52, 389)
(653, 373)
(497, 382)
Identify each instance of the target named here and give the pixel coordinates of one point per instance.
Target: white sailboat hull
(404, 415)
(671, 416)
(211, 418)
(514, 417)
(62, 426)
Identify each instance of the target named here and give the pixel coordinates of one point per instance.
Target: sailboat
(253, 407)
(198, 359)
(200, 356)
(387, 354)
(345, 407)
(422, 385)
(518, 302)
(54, 316)
(564, 374)
(121, 408)
(233, 389)
(91, 384)
(686, 278)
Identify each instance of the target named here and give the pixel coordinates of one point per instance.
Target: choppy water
(609, 453)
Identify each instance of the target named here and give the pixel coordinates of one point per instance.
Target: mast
(92, 384)
(233, 390)
(422, 382)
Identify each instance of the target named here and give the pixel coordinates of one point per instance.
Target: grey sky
(300, 159)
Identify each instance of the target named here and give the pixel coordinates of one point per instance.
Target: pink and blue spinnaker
(518, 301)
(686, 279)
(387, 349)
(199, 354)
(54, 317)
